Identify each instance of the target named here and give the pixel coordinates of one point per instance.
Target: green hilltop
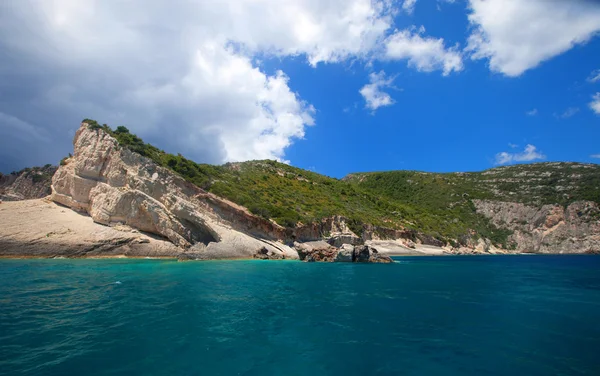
(440, 205)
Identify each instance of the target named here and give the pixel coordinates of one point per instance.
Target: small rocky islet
(109, 200)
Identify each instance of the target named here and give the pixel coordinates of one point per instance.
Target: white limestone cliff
(118, 187)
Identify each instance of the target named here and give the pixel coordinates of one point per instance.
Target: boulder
(321, 251)
(345, 253)
(268, 254)
(316, 251)
(337, 240)
(361, 253)
(367, 253)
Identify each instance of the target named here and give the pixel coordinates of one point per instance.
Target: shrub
(92, 124)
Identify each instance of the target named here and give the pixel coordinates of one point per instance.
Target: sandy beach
(41, 228)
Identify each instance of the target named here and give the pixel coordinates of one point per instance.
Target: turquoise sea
(489, 315)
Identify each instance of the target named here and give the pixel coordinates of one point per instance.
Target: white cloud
(595, 103)
(423, 53)
(517, 35)
(251, 114)
(374, 96)
(409, 6)
(529, 154)
(569, 112)
(185, 75)
(532, 112)
(512, 146)
(597, 156)
(181, 76)
(594, 76)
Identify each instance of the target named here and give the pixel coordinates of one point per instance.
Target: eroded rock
(27, 184)
(547, 229)
(118, 187)
(323, 252)
(345, 253)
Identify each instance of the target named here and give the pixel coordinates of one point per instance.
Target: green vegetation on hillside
(533, 184)
(36, 174)
(439, 205)
(273, 190)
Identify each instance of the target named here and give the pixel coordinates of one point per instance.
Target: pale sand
(397, 248)
(41, 228)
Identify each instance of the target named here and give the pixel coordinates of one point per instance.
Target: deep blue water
(517, 315)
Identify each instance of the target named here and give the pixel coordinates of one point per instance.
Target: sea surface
(488, 315)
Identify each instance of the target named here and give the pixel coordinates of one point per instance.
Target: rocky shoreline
(41, 228)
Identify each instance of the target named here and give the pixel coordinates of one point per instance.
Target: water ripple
(438, 315)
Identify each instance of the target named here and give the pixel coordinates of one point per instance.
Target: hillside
(28, 183)
(452, 195)
(534, 184)
(447, 207)
(274, 190)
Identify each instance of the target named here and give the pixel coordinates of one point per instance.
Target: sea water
(490, 315)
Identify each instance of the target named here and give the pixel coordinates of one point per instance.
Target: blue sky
(353, 85)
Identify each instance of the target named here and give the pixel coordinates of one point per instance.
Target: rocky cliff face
(541, 207)
(115, 186)
(547, 229)
(118, 187)
(26, 184)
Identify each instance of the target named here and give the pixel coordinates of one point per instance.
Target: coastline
(42, 229)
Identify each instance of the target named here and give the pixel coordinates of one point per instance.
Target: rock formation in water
(320, 251)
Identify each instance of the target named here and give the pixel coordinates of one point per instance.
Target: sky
(334, 87)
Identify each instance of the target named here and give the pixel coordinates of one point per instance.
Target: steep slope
(28, 183)
(118, 186)
(269, 189)
(542, 207)
(536, 184)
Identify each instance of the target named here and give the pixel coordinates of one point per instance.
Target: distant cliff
(574, 228)
(26, 184)
(540, 208)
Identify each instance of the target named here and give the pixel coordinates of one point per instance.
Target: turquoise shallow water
(519, 315)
